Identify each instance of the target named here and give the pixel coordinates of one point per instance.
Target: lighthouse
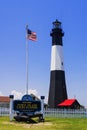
(57, 89)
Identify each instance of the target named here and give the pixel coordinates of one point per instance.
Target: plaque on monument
(27, 104)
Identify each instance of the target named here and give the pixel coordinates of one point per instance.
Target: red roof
(67, 102)
(4, 99)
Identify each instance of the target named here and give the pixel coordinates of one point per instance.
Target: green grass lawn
(49, 124)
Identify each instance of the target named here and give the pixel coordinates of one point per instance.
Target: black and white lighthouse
(57, 90)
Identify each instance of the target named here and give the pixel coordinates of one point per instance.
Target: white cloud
(18, 95)
(33, 91)
(1, 94)
(46, 100)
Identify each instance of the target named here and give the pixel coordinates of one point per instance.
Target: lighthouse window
(61, 63)
(57, 25)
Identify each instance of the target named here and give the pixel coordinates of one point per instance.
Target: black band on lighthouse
(57, 35)
(57, 92)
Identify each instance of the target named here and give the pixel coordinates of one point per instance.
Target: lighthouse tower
(57, 90)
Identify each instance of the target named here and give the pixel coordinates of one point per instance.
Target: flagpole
(26, 61)
(29, 36)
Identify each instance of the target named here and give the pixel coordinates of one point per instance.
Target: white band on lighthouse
(57, 58)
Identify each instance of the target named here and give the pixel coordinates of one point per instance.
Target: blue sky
(39, 15)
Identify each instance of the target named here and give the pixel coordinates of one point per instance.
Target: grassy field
(49, 124)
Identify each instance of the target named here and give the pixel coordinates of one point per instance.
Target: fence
(71, 113)
(57, 113)
(4, 111)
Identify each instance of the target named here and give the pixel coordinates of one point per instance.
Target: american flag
(31, 35)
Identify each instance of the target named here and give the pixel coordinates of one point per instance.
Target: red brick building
(4, 101)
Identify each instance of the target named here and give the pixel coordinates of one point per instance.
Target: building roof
(33, 96)
(67, 102)
(4, 99)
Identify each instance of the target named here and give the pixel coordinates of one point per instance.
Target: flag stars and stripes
(31, 35)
